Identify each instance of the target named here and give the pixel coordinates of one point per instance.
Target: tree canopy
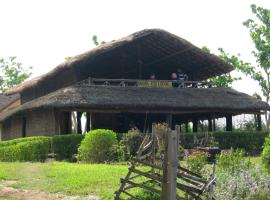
(12, 73)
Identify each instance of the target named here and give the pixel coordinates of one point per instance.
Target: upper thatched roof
(135, 99)
(6, 100)
(134, 56)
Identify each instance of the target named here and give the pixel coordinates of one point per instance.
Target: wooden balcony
(145, 83)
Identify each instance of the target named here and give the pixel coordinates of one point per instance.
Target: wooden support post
(67, 122)
(154, 143)
(210, 125)
(259, 122)
(214, 123)
(229, 122)
(170, 164)
(195, 125)
(79, 124)
(169, 120)
(88, 123)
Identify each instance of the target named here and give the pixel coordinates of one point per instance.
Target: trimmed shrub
(35, 149)
(19, 140)
(266, 153)
(66, 147)
(97, 145)
(250, 142)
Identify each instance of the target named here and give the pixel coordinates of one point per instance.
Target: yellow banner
(165, 84)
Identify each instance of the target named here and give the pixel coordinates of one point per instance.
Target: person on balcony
(181, 77)
(152, 76)
(174, 80)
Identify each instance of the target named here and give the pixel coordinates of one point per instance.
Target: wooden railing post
(170, 165)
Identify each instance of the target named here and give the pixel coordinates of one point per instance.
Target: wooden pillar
(169, 120)
(210, 125)
(79, 124)
(259, 122)
(229, 122)
(195, 125)
(170, 165)
(88, 123)
(67, 123)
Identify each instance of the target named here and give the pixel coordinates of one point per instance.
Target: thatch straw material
(134, 56)
(134, 99)
(6, 100)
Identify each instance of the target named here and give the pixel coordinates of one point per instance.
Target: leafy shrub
(117, 153)
(197, 161)
(232, 161)
(147, 195)
(266, 153)
(132, 140)
(96, 146)
(26, 149)
(66, 146)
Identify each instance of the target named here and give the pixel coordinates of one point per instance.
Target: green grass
(69, 178)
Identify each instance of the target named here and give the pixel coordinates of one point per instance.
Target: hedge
(27, 149)
(66, 146)
(250, 142)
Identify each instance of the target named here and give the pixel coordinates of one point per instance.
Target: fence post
(170, 165)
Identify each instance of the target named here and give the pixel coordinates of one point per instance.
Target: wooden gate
(159, 152)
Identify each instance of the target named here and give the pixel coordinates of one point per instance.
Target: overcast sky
(42, 33)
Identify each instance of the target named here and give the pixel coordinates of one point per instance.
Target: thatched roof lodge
(110, 84)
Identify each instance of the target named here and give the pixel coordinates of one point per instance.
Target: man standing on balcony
(181, 77)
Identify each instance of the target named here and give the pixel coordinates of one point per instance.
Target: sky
(43, 33)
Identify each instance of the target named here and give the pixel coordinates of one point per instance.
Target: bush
(266, 153)
(97, 145)
(132, 141)
(66, 146)
(232, 161)
(250, 142)
(25, 149)
(197, 161)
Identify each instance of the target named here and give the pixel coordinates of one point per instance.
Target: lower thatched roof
(136, 99)
(6, 100)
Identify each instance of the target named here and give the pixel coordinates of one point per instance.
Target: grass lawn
(69, 178)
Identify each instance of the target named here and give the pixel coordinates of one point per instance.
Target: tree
(259, 31)
(224, 80)
(12, 73)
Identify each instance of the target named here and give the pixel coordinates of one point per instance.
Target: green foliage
(96, 146)
(66, 146)
(266, 153)
(12, 73)
(26, 149)
(260, 196)
(147, 195)
(96, 42)
(118, 153)
(232, 160)
(132, 140)
(197, 161)
(250, 141)
(224, 80)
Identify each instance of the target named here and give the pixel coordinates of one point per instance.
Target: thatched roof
(135, 99)
(6, 100)
(134, 56)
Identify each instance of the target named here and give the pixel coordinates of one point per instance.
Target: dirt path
(7, 192)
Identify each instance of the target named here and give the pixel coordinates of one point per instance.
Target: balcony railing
(145, 83)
